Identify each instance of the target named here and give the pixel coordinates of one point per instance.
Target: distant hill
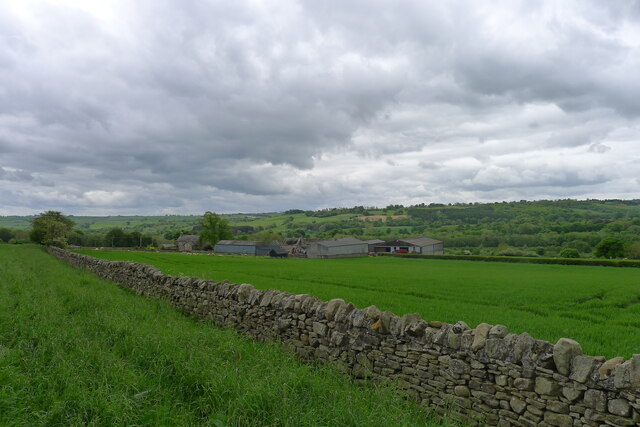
(519, 228)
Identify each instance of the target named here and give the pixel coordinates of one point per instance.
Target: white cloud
(105, 198)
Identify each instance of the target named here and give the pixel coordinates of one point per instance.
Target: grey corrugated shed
(345, 241)
(421, 241)
(278, 251)
(373, 241)
(240, 243)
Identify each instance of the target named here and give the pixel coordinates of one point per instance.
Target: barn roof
(186, 238)
(421, 241)
(374, 241)
(240, 243)
(345, 241)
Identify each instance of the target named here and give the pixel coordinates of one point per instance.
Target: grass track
(76, 350)
(598, 306)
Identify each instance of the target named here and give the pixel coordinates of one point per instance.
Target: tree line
(55, 229)
(565, 228)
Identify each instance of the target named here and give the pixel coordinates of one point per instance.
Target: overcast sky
(184, 106)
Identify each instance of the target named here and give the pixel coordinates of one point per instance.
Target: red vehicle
(401, 251)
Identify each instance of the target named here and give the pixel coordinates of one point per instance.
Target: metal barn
(345, 247)
(244, 247)
(415, 245)
(373, 243)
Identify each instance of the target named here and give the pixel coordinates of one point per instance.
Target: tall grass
(598, 306)
(76, 350)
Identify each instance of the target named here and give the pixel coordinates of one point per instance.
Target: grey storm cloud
(15, 175)
(186, 106)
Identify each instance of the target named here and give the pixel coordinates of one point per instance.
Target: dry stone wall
(486, 375)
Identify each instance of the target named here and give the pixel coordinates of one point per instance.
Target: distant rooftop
(374, 241)
(188, 238)
(242, 243)
(345, 241)
(421, 241)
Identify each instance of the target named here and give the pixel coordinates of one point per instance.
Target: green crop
(597, 306)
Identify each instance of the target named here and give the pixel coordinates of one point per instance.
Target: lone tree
(611, 247)
(6, 234)
(214, 228)
(115, 237)
(51, 228)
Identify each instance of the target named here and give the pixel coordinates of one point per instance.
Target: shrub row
(529, 260)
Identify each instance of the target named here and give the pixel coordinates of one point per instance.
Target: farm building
(345, 247)
(244, 247)
(372, 244)
(296, 246)
(187, 242)
(278, 253)
(415, 245)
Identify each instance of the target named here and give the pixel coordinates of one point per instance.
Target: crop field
(76, 350)
(597, 306)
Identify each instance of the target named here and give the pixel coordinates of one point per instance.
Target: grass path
(597, 306)
(76, 350)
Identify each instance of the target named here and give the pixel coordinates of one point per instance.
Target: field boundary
(525, 260)
(487, 375)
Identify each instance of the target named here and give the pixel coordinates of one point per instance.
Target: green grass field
(77, 350)
(597, 306)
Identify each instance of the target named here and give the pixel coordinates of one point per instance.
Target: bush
(633, 251)
(6, 234)
(610, 247)
(509, 251)
(569, 253)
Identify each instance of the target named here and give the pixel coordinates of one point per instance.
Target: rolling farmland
(597, 306)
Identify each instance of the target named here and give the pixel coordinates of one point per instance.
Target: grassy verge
(76, 350)
(597, 306)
